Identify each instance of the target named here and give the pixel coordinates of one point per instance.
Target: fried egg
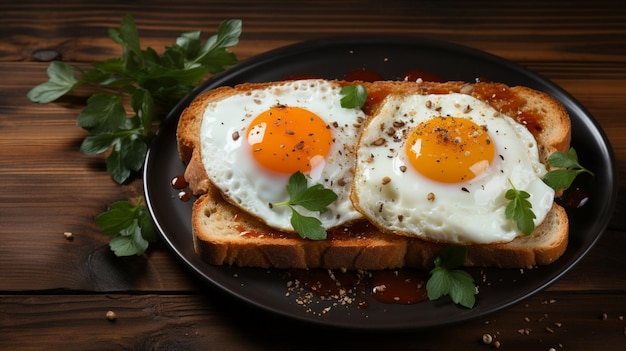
(438, 167)
(252, 142)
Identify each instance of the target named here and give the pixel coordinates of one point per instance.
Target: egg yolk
(449, 149)
(287, 139)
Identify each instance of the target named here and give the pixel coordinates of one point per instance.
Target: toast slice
(225, 235)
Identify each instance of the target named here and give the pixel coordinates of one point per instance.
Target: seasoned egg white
(401, 190)
(235, 148)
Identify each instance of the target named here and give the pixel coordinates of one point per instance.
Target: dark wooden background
(54, 292)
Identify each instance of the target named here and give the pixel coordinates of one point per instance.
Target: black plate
(390, 56)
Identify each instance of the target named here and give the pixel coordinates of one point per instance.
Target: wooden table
(55, 292)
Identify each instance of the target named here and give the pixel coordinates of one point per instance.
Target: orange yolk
(449, 149)
(287, 139)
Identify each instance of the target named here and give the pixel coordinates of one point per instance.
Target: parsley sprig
(569, 169)
(353, 96)
(520, 209)
(146, 83)
(130, 226)
(140, 80)
(314, 198)
(447, 280)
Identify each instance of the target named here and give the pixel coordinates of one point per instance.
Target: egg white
(229, 164)
(398, 199)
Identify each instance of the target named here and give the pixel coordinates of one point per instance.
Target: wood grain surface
(55, 292)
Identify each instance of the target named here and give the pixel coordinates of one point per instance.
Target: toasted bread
(225, 235)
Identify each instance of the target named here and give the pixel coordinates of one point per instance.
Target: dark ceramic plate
(389, 56)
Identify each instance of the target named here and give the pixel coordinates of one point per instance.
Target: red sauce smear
(184, 195)
(399, 286)
(179, 182)
(502, 99)
(363, 75)
(302, 77)
(403, 286)
(575, 197)
(251, 233)
(356, 230)
(414, 75)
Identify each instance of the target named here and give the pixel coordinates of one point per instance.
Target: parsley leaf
(61, 81)
(520, 209)
(130, 225)
(307, 227)
(570, 169)
(354, 96)
(446, 279)
(130, 243)
(314, 198)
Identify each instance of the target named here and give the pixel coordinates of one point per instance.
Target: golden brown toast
(225, 235)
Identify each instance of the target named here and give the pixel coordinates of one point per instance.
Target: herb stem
(97, 88)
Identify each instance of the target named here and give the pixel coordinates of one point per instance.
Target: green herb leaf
(116, 167)
(148, 229)
(132, 243)
(296, 185)
(144, 108)
(520, 210)
(307, 227)
(314, 198)
(354, 96)
(128, 36)
(61, 81)
(212, 54)
(451, 257)
(103, 114)
(446, 280)
(570, 169)
(98, 143)
(130, 225)
(120, 215)
(133, 152)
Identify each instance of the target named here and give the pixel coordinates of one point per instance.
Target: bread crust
(225, 235)
(244, 241)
